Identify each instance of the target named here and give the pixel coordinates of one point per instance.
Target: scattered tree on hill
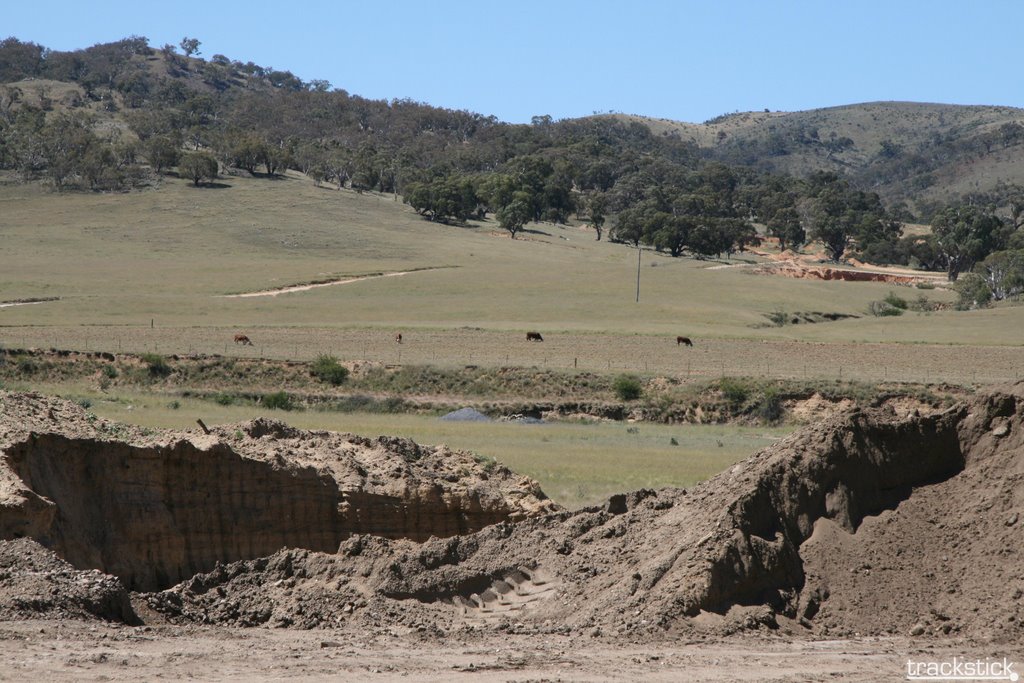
(198, 166)
(668, 232)
(628, 227)
(190, 46)
(444, 199)
(1003, 273)
(515, 214)
(838, 215)
(162, 152)
(785, 226)
(597, 205)
(965, 235)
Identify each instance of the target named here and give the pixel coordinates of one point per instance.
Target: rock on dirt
(36, 584)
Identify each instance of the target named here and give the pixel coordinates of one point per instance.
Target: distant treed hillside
(923, 155)
(119, 115)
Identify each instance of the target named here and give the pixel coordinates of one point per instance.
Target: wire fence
(635, 354)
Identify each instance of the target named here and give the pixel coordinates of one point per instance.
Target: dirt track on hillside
(314, 285)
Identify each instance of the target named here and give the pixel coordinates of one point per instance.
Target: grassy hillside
(173, 253)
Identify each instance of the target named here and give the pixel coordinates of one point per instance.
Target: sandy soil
(79, 651)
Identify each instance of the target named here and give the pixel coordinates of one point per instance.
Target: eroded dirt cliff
(821, 533)
(154, 508)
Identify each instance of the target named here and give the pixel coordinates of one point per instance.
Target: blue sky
(682, 60)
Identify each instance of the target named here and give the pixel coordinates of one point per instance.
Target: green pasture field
(149, 271)
(576, 463)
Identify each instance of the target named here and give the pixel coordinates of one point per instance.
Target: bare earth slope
(870, 509)
(154, 508)
(868, 524)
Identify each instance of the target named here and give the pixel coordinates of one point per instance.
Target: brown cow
(243, 340)
(398, 337)
(534, 336)
(683, 340)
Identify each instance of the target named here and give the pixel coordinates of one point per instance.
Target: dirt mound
(872, 522)
(154, 508)
(35, 583)
(947, 559)
(919, 515)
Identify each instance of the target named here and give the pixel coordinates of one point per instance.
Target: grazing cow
(683, 340)
(398, 337)
(243, 340)
(534, 336)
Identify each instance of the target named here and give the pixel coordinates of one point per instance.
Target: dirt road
(80, 651)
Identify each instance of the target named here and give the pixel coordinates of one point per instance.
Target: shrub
(923, 304)
(224, 399)
(894, 300)
(778, 317)
(973, 291)
(487, 463)
(734, 391)
(627, 387)
(27, 366)
(279, 400)
(769, 405)
(109, 371)
(158, 366)
(197, 166)
(882, 309)
(328, 369)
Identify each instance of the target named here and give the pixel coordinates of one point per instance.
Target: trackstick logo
(961, 669)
